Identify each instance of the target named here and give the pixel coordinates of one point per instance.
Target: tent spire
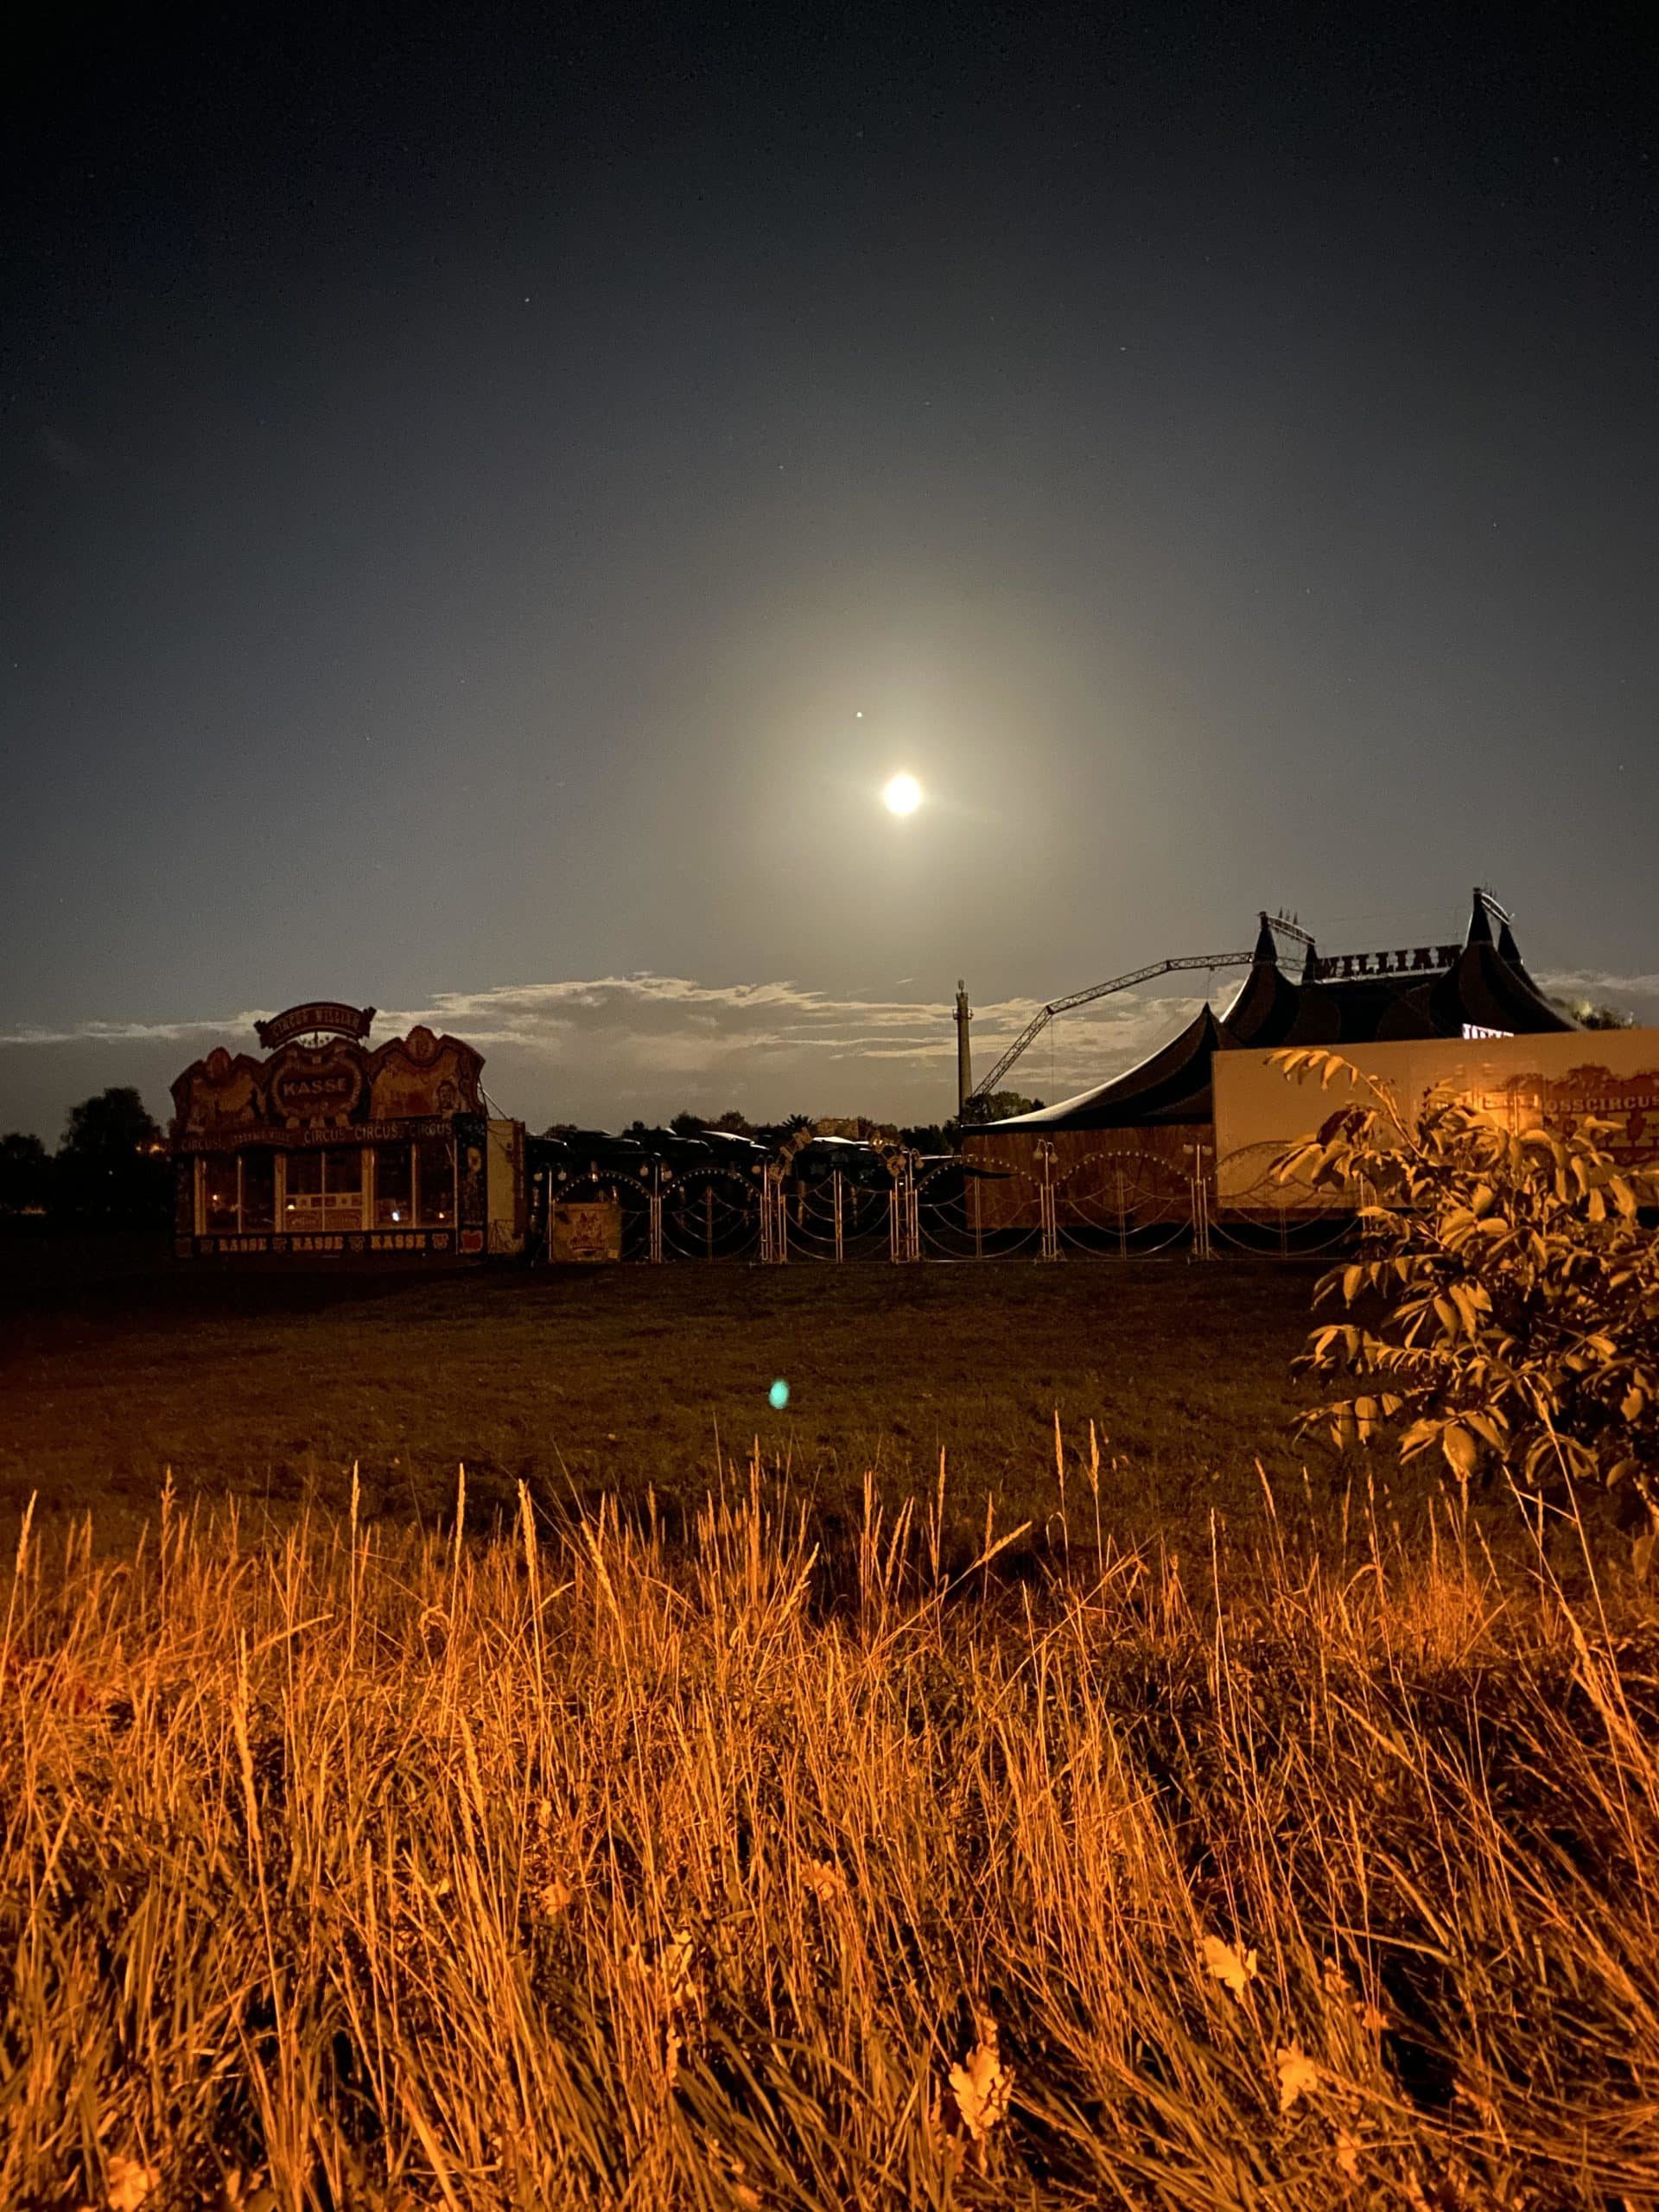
(1480, 922)
(1266, 951)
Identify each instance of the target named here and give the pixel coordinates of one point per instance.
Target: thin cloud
(677, 1023)
(1595, 983)
(623, 1029)
(129, 1032)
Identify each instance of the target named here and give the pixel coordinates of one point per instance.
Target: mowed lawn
(580, 1381)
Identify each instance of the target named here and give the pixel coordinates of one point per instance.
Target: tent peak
(1480, 922)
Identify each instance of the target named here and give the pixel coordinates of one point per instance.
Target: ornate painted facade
(327, 1146)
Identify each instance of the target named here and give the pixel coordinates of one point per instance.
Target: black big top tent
(1485, 988)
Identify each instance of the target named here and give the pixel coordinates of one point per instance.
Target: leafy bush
(1507, 1310)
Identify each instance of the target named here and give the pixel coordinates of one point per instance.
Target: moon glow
(902, 794)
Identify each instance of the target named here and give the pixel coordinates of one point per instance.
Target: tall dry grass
(353, 1867)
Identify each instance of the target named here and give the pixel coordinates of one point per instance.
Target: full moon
(901, 795)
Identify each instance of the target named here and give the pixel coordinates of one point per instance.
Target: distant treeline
(108, 1172)
(111, 1168)
(920, 1136)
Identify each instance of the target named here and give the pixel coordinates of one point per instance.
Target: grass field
(583, 1383)
(646, 1826)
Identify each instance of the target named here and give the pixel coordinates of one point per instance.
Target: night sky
(488, 499)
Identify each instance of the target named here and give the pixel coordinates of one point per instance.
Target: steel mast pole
(964, 1051)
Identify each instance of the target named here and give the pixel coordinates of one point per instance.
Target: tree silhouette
(932, 1137)
(111, 1169)
(1002, 1105)
(693, 1125)
(25, 1174)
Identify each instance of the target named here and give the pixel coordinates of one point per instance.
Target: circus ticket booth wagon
(327, 1147)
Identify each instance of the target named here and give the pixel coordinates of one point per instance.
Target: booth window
(325, 1188)
(259, 1187)
(394, 1185)
(342, 1185)
(342, 1170)
(304, 1189)
(219, 1201)
(435, 1163)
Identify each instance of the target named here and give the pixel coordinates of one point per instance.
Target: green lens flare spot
(777, 1396)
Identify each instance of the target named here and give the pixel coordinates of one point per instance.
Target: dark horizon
(491, 496)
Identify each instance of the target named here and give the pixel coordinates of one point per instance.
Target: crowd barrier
(1117, 1203)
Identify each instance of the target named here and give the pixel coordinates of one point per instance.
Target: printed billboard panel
(1611, 1074)
(505, 1187)
(585, 1230)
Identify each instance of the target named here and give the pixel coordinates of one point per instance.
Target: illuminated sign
(322, 1018)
